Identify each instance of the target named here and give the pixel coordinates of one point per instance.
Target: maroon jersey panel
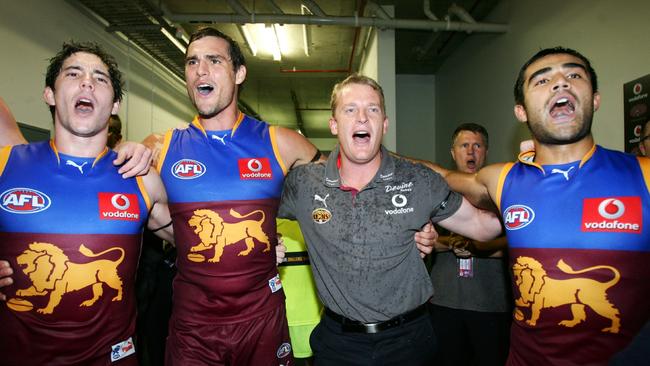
(226, 260)
(72, 299)
(597, 299)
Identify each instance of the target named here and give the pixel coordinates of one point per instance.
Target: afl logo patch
(188, 169)
(321, 215)
(24, 201)
(516, 217)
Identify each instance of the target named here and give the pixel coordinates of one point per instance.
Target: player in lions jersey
(71, 226)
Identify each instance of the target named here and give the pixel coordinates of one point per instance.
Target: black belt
(349, 325)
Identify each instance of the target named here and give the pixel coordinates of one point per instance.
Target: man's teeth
(562, 101)
(205, 88)
(84, 103)
(361, 134)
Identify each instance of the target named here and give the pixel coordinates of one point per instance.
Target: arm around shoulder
(294, 148)
(473, 222)
(159, 217)
(479, 188)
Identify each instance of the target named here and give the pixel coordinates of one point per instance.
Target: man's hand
(425, 239)
(280, 251)
(135, 157)
(5, 280)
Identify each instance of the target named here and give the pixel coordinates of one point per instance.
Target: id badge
(466, 267)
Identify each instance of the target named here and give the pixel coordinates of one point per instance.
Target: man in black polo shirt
(358, 212)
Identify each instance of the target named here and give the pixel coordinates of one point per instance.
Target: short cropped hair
(519, 84)
(472, 127)
(234, 52)
(357, 79)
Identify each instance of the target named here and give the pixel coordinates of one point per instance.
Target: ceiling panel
(295, 91)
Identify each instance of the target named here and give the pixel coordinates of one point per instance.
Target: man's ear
(520, 113)
(48, 96)
(116, 107)
(596, 101)
(385, 125)
(240, 75)
(453, 154)
(334, 128)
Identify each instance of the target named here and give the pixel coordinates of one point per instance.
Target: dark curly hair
(70, 48)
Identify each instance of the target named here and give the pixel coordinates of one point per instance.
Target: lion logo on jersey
(217, 234)
(51, 272)
(538, 291)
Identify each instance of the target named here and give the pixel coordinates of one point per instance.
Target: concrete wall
(416, 113)
(32, 31)
(475, 84)
(378, 62)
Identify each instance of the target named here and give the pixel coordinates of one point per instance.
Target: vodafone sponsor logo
(118, 206)
(612, 214)
(516, 217)
(188, 169)
(254, 168)
(24, 201)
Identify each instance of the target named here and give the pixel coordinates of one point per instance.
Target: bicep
(294, 148)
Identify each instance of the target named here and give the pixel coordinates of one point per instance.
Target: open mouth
(471, 164)
(563, 107)
(84, 105)
(361, 136)
(205, 89)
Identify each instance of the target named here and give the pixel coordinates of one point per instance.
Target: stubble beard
(547, 137)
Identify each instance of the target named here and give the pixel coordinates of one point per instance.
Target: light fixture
(173, 39)
(248, 37)
(262, 39)
(306, 34)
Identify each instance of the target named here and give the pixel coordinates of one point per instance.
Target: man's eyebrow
(72, 67)
(537, 73)
(572, 65)
(568, 65)
(101, 72)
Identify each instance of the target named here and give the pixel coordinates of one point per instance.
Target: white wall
(416, 110)
(475, 84)
(32, 31)
(378, 62)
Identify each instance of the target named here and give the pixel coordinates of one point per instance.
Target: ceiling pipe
(340, 20)
(373, 8)
(427, 10)
(314, 8)
(238, 8)
(461, 13)
(454, 9)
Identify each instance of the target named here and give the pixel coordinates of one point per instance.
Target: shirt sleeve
(445, 201)
(287, 208)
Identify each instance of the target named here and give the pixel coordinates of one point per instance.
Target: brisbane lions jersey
(223, 189)
(71, 229)
(579, 238)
